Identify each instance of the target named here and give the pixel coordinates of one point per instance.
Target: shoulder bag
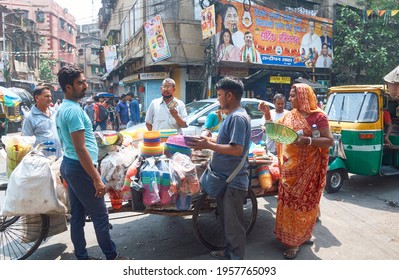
(213, 184)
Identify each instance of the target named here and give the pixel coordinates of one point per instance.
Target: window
(40, 16)
(70, 48)
(62, 23)
(95, 51)
(70, 29)
(352, 107)
(63, 45)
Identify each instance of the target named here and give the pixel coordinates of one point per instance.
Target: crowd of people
(303, 164)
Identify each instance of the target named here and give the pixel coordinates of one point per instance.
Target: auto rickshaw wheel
(335, 180)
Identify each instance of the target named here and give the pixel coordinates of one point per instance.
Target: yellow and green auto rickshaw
(356, 116)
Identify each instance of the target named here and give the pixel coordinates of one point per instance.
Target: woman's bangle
(310, 141)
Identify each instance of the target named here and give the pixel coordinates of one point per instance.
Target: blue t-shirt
(70, 118)
(235, 129)
(123, 110)
(134, 111)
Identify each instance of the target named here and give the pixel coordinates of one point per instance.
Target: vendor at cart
(166, 112)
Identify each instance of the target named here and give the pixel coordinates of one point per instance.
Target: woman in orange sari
(303, 167)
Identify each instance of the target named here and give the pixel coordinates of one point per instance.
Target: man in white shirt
(276, 114)
(248, 51)
(166, 112)
(324, 60)
(311, 40)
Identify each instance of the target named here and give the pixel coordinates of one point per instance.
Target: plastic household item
(110, 137)
(280, 133)
(256, 135)
(116, 198)
(166, 133)
(183, 202)
(171, 149)
(264, 176)
(176, 140)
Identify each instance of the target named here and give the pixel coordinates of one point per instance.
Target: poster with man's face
(157, 41)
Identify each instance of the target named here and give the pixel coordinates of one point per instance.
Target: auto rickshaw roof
(349, 88)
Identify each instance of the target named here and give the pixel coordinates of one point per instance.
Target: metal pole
(3, 14)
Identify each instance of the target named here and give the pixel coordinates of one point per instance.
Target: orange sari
(303, 176)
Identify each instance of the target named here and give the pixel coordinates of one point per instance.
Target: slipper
(310, 241)
(219, 255)
(291, 253)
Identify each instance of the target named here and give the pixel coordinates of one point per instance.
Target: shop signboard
(111, 58)
(257, 34)
(280, 80)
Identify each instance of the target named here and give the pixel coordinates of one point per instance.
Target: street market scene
(199, 130)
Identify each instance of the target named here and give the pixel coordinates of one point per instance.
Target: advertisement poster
(208, 22)
(256, 34)
(157, 41)
(111, 58)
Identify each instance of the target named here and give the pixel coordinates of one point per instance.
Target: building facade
(89, 55)
(131, 28)
(56, 28)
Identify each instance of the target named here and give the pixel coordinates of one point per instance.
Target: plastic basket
(280, 133)
(256, 135)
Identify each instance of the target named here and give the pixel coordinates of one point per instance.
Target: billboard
(208, 22)
(111, 58)
(157, 42)
(256, 34)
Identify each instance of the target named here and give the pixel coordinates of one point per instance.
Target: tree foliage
(365, 49)
(45, 69)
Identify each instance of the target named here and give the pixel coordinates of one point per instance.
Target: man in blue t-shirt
(78, 168)
(231, 146)
(134, 108)
(122, 112)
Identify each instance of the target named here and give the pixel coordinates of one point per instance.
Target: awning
(310, 83)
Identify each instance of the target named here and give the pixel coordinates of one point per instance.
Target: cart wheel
(20, 236)
(207, 226)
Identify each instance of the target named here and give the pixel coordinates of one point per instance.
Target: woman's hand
(302, 140)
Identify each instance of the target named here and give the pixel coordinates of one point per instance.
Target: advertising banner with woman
(208, 22)
(267, 36)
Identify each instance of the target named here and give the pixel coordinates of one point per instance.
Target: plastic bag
(16, 148)
(31, 189)
(184, 174)
(150, 178)
(166, 195)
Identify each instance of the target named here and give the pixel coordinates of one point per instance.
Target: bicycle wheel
(20, 236)
(206, 220)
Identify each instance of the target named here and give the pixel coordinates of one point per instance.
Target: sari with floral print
(303, 175)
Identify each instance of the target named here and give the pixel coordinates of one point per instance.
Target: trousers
(83, 201)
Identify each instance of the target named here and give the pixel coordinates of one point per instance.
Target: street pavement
(360, 222)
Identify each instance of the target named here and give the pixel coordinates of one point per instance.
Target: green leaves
(45, 69)
(365, 49)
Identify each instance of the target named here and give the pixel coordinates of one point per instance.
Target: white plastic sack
(31, 189)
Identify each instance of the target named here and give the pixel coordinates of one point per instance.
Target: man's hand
(264, 108)
(174, 112)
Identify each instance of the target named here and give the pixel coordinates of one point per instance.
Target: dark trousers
(83, 201)
(230, 208)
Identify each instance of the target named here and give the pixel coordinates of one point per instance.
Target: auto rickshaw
(356, 120)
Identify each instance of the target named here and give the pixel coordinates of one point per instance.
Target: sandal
(220, 255)
(291, 253)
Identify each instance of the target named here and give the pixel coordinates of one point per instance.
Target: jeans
(103, 125)
(83, 201)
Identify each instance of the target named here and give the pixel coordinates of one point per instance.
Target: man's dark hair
(130, 94)
(233, 84)
(123, 95)
(67, 75)
(96, 98)
(38, 90)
